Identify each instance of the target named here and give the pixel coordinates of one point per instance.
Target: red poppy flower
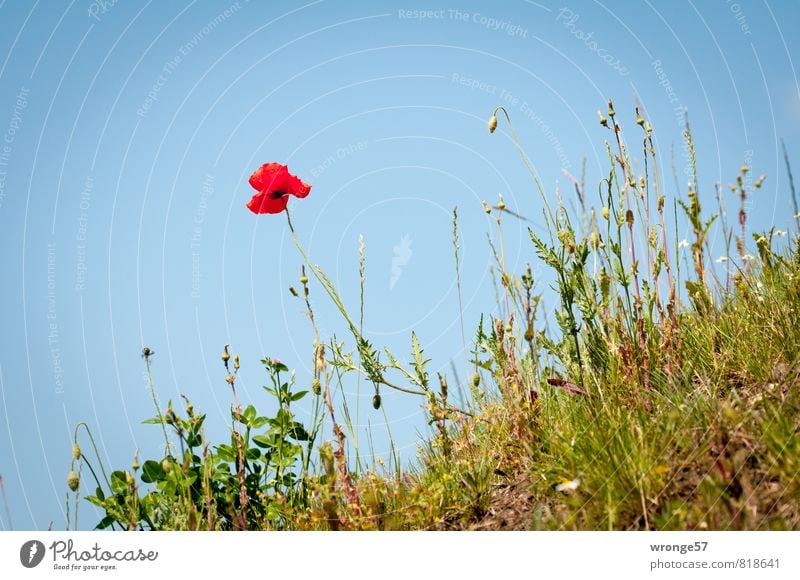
(275, 184)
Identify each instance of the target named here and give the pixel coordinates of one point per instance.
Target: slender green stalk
(167, 444)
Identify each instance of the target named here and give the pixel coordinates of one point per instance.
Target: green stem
(96, 453)
(155, 404)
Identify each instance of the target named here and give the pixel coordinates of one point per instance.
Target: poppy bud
(376, 401)
(594, 240)
(135, 465)
(225, 356)
(73, 481)
(605, 212)
(316, 386)
(476, 380)
(146, 352)
(486, 207)
(129, 478)
(603, 120)
(611, 112)
(76, 452)
(501, 205)
(492, 123)
(629, 217)
(166, 464)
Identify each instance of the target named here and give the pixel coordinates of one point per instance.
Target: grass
(665, 398)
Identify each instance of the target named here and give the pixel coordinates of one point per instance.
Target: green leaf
(299, 395)
(104, 523)
(153, 421)
(152, 471)
(299, 432)
(118, 483)
(263, 441)
(226, 452)
(259, 422)
(95, 501)
(249, 415)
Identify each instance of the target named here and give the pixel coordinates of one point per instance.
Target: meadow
(659, 393)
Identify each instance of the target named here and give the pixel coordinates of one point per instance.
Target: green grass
(665, 398)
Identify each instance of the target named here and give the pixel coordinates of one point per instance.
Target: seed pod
(316, 386)
(376, 401)
(293, 291)
(629, 217)
(76, 452)
(225, 356)
(236, 362)
(529, 332)
(73, 481)
(501, 205)
(492, 123)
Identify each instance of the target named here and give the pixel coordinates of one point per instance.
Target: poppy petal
(263, 202)
(269, 176)
(296, 186)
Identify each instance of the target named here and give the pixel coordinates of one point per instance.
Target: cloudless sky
(128, 130)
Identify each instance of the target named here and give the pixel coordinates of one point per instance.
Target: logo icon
(31, 553)
(402, 254)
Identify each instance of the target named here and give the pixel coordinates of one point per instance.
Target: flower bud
(225, 356)
(76, 452)
(304, 279)
(603, 120)
(501, 205)
(73, 481)
(492, 123)
(316, 386)
(486, 207)
(376, 401)
(476, 380)
(605, 213)
(166, 464)
(129, 478)
(236, 362)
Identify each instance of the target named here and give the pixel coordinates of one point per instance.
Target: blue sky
(128, 130)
